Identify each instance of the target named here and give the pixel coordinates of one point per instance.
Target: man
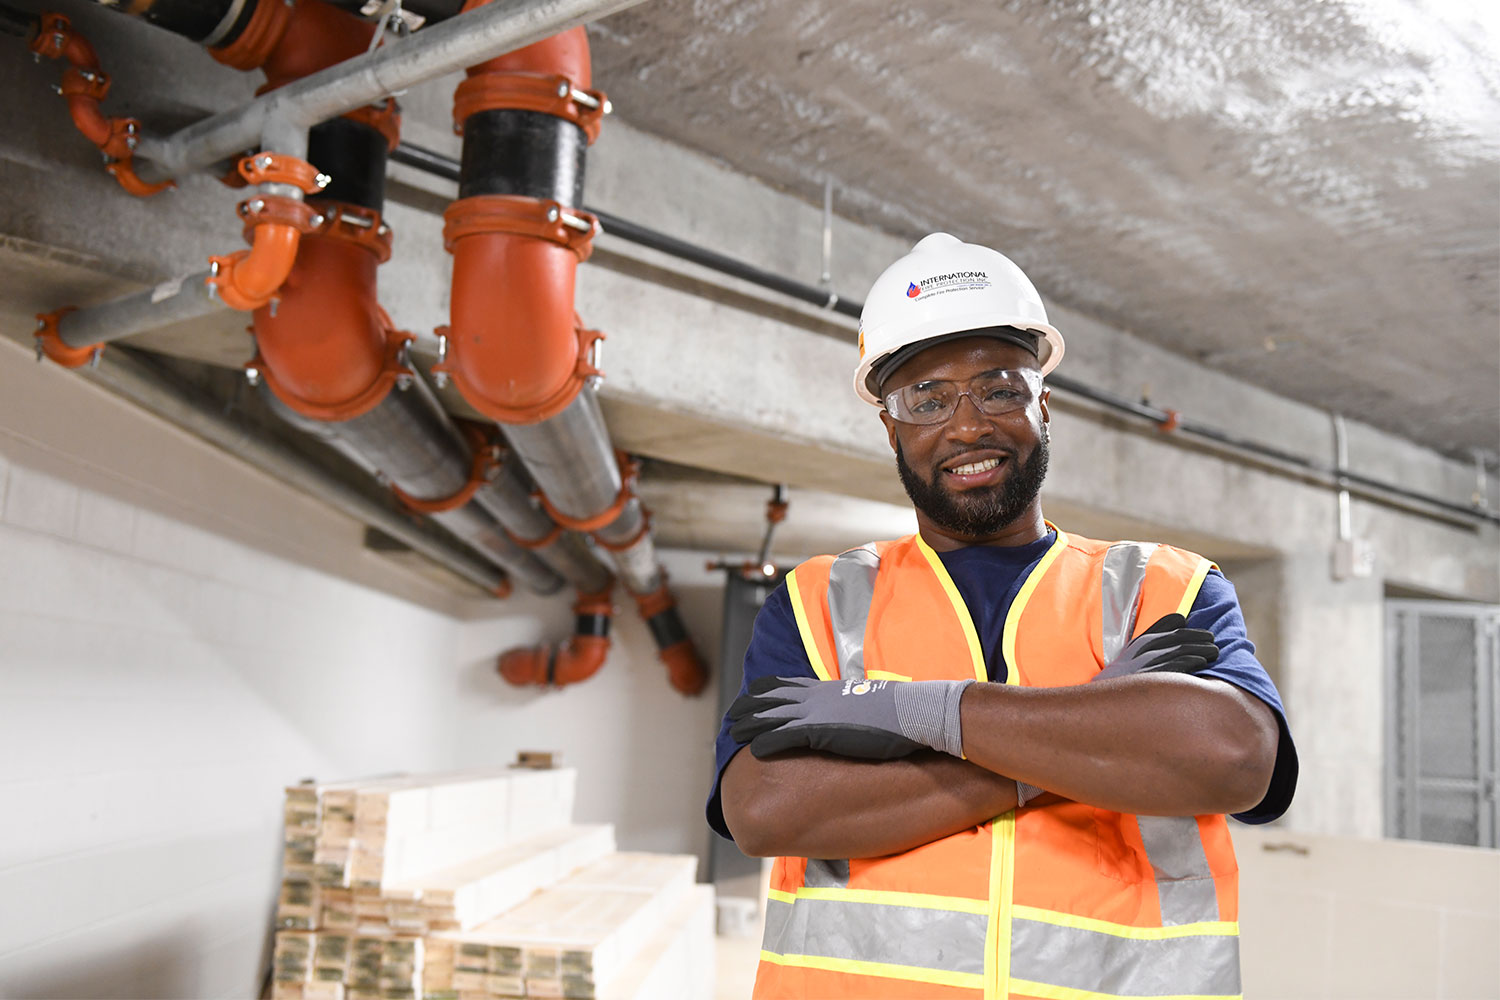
(994, 759)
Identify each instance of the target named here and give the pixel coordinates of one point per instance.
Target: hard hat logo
(903, 311)
(958, 281)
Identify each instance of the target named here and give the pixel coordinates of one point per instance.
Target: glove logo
(862, 687)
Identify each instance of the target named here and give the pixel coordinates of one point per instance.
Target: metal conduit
(442, 48)
(573, 463)
(446, 167)
(408, 442)
(146, 383)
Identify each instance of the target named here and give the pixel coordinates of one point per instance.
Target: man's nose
(967, 423)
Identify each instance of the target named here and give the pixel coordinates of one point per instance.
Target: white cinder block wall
(160, 682)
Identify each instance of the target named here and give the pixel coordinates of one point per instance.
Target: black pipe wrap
(595, 625)
(667, 628)
(353, 154)
(195, 19)
(524, 153)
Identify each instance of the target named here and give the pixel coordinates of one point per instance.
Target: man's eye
(1002, 393)
(927, 405)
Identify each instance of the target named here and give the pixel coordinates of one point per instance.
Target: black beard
(976, 513)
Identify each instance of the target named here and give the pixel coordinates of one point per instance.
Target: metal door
(1442, 707)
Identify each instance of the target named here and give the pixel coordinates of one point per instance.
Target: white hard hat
(946, 288)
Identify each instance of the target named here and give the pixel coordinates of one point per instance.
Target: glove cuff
(927, 712)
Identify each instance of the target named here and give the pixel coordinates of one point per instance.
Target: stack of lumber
(476, 885)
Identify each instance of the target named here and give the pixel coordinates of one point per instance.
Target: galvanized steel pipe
(434, 51)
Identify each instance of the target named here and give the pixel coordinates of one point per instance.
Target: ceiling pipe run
(150, 385)
(434, 51)
(328, 354)
(344, 87)
(516, 350)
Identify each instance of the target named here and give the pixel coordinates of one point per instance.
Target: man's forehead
(964, 355)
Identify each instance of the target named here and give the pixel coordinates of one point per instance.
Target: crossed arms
(1151, 744)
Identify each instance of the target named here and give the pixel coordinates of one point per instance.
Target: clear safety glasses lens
(934, 401)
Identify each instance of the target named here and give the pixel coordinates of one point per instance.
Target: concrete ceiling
(1305, 195)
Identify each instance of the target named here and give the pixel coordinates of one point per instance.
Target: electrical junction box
(1353, 558)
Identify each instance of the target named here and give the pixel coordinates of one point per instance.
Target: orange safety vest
(1059, 900)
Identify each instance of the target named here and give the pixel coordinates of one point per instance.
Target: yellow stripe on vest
(964, 980)
(1065, 993)
(971, 636)
(803, 629)
(1013, 620)
(1195, 584)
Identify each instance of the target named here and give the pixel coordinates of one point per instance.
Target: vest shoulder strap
(807, 587)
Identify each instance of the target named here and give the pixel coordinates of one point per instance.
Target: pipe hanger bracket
(49, 342)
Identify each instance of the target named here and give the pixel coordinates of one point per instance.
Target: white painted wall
(161, 682)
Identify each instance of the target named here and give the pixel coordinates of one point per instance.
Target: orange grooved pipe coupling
(84, 86)
(576, 660)
(249, 278)
(516, 351)
(327, 349)
(289, 42)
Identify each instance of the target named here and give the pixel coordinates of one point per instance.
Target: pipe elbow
(685, 670)
(89, 120)
(546, 665)
(574, 661)
(248, 279)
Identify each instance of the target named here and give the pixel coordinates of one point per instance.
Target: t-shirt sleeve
(1217, 609)
(775, 651)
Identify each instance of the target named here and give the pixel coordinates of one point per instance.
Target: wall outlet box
(1353, 558)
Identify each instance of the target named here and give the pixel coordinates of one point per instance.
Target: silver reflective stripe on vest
(851, 589)
(1124, 573)
(876, 932)
(1095, 962)
(826, 874)
(1173, 844)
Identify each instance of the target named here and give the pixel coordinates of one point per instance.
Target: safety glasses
(994, 394)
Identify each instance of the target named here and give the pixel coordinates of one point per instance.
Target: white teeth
(974, 468)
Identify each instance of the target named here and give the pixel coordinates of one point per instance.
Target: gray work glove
(1168, 646)
(875, 720)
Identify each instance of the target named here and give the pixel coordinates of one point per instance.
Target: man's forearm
(1162, 744)
(815, 805)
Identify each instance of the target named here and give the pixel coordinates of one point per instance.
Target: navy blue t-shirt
(981, 571)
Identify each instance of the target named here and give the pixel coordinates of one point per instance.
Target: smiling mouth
(974, 468)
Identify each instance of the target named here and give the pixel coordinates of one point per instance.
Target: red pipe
(84, 86)
(576, 660)
(517, 352)
(326, 349)
(290, 42)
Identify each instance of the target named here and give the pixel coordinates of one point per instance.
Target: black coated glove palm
(1167, 646)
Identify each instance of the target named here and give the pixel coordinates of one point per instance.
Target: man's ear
(1046, 415)
(890, 428)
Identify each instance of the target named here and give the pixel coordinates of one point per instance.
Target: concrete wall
(162, 679)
